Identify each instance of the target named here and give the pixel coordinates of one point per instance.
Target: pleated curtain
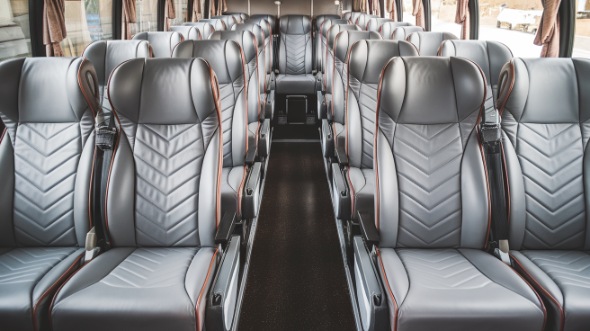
(462, 17)
(54, 26)
(390, 9)
(548, 32)
(129, 17)
(197, 13)
(170, 13)
(418, 12)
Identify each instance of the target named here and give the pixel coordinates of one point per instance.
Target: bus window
(512, 22)
(15, 38)
(86, 21)
(147, 16)
(407, 16)
(181, 8)
(443, 16)
(582, 37)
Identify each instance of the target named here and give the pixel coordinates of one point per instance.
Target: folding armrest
(341, 193)
(368, 228)
(264, 139)
(370, 295)
(226, 228)
(340, 151)
(251, 194)
(322, 105)
(269, 107)
(327, 139)
(251, 155)
(222, 298)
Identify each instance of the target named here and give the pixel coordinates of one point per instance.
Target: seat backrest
(428, 42)
(431, 188)
(490, 56)
(162, 43)
(106, 55)
(323, 35)
(239, 17)
(545, 109)
(347, 16)
(295, 48)
(387, 28)
(218, 24)
(46, 151)
(317, 41)
(354, 16)
(366, 60)
(187, 32)
(227, 61)
(320, 19)
(362, 21)
(268, 44)
(342, 45)
(402, 32)
(261, 44)
(163, 187)
(205, 28)
(271, 19)
(248, 43)
(329, 58)
(229, 20)
(375, 23)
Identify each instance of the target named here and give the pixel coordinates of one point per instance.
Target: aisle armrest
(251, 194)
(321, 105)
(341, 155)
(368, 228)
(264, 139)
(226, 228)
(327, 139)
(341, 193)
(269, 106)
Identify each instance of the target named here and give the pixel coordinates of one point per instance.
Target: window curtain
(418, 12)
(197, 13)
(218, 7)
(548, 32)
(462, 17)
(170, 13)
(390, 9)
(129, 16)
(375, 8)
(54, 26)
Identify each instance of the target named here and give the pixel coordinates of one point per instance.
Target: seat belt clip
(91, 246)
(502, 252)
(105, 132)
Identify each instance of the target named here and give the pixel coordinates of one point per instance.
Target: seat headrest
(106, 55)
(345, 40)
(387, 28)
(205, 28)
(429, 42)
(162, 42)
(218, 24)
(347, 15)
(295, 24)
(263, 24)
(354, 16)
(229, 20)
(245, 39)
(188, 32)
(431, 90)
(224, 56)
(546, 90)
(269, 18)
(402, 32)
(325, 28)
(336, 29)
(491, 56)
(375, 23)
(47, 90)
(190, 94)
(368, 57)
(320, 19)
(255, 29)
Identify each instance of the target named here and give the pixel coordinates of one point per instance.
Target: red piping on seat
(198, 303)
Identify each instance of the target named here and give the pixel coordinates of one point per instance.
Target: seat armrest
(222, 299)
(264, 139)
(251, 194)
(327, 139)
(251, 155)
(269, 107)
(277, 72)
(370, 296)
(341, 155)
(368, 227)
(321, 105)
(226, 228)
(341, 193)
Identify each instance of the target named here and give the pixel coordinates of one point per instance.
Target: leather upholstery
(366, 60)
(317, 41)
(162, 205)
(261, 45)
(387, 28)
(432, 210)
(271, 19)
(347, 16)
(546, 165)
(162, 43)
(188, 32)
(46, 156)
(330, 38)
(239, 17)
(295, 56)
(268, 44)
(429, 42)
(217, 23)
(362, 20)
(374, 23)
(402, 32)
(228, 62)
(354, 16)
(324, 29)
(106, 55)
(229, 20)
(205, 28)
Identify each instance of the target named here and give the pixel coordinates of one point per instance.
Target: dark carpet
(296, 131)
(296, 279)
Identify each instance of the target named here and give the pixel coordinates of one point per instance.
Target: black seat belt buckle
(105, 138)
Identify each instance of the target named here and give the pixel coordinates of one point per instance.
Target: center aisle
(296, 279)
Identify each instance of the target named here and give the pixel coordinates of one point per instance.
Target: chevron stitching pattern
(227, 96)
(296, 49)
(168, 160)
(46, 162)
(551, 157)
(442, 269)
(368, 107)
(26, 265)
(428, 160)
(566, 268)
(151, 268)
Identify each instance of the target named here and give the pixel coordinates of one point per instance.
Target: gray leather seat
(328, 76)
(205, 28)
(362, 20)
(188, 32)
(46, 153)
(545, 107)
(428, 42)
(106, 55)
(354, 16)
(217, 23)
(317, 39)
(239, 17)
(162, 205)
(271, 19)
(432, 207)
(267, 28)
(323, 35)
(388, 28)
(229, 20)
(295, 56)
(324, 96)
(347, 16)
(225, 58)
(162, 43)
(374, 23)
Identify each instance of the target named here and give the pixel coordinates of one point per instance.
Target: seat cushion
(232, 182)
(563, 280)
(456, 289)
(137, 289)
(28, 279)
(295, 84)
(362, 189)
